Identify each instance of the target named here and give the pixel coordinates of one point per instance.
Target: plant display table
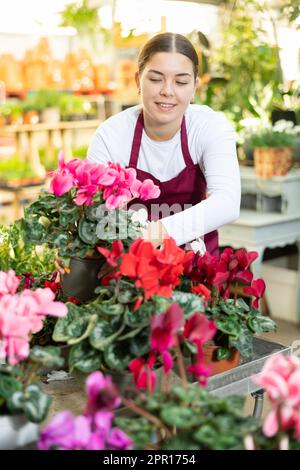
(18, 194)
(258, 231)
(31, 133)
(280, 192)
(238, 381)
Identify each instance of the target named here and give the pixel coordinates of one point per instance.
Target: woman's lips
(165, 106)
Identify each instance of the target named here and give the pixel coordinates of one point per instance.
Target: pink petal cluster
(116, 184)
(280, 378)
(94, 429)
(21, 315)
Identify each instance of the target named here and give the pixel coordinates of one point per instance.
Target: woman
(188, 150)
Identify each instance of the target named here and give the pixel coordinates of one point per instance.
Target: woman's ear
(137, 81)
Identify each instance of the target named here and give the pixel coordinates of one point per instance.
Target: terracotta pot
(209, 352)
(82, 280)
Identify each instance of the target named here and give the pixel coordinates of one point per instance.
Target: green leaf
(206, 435)
(87, 232)
(33, 402)
(117, 355)
(140, 343)
(229, 325)
(222, 353)
(8, 385)
(91, 213)
(244, 343)
(84, 358)
(140, 317)
(190, 303)
(260, 324)
(103, 334)
(178, 416)
(48, 356)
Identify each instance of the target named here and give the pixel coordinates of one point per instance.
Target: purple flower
(58, 432)
(118, 440)
(101, 393)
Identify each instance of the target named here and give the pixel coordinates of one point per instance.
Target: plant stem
(236, 292)
(145, 414)
(180, 363)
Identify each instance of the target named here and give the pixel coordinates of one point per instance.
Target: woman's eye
(155, 80)
(181, 83)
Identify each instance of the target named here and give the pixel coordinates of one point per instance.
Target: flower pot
(82, 279)
(272, 161)
(17, 431)
(209, 353)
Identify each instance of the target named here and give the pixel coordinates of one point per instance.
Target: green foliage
(108, 331)
(14, 168)
(202, 421)
(244, 59)
(72, 229)
(237, 323)
(271, 138)
(19, 392)
(33, 402)
(22, 257)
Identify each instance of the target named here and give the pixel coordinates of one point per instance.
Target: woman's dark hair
(168, 42)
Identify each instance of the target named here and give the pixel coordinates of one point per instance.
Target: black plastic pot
(82, 280)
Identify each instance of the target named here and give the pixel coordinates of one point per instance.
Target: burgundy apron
(187, 188)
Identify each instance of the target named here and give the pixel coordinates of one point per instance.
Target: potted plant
(272, 150)
(216, 280)
(73, 107)
(114, 328)
(83, 211)
(180, 415)
(21, 399)
(15, 172)
(46, 102)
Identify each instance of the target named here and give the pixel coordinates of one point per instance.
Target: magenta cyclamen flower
(101, 393)
(92, 431)
(164, 328)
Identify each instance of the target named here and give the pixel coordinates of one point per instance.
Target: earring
(139, 91)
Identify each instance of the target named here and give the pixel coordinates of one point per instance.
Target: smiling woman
(187, 150)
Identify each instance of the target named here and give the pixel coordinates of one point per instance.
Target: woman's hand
(155, 232)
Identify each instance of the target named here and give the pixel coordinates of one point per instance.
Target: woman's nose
(167, 89)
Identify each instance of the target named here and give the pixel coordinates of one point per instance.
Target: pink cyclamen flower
(9, 282)
(280, 378)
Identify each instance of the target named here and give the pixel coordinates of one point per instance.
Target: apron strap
(136, 143)
(184, 145)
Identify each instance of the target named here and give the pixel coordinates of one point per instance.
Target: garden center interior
(66, 66)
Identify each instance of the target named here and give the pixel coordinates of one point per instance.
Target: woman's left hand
(155, 232)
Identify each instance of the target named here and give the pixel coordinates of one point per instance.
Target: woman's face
(167, 86)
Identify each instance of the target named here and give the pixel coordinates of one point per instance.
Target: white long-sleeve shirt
(211, 142)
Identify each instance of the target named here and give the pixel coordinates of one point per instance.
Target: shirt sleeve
(220, 166)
